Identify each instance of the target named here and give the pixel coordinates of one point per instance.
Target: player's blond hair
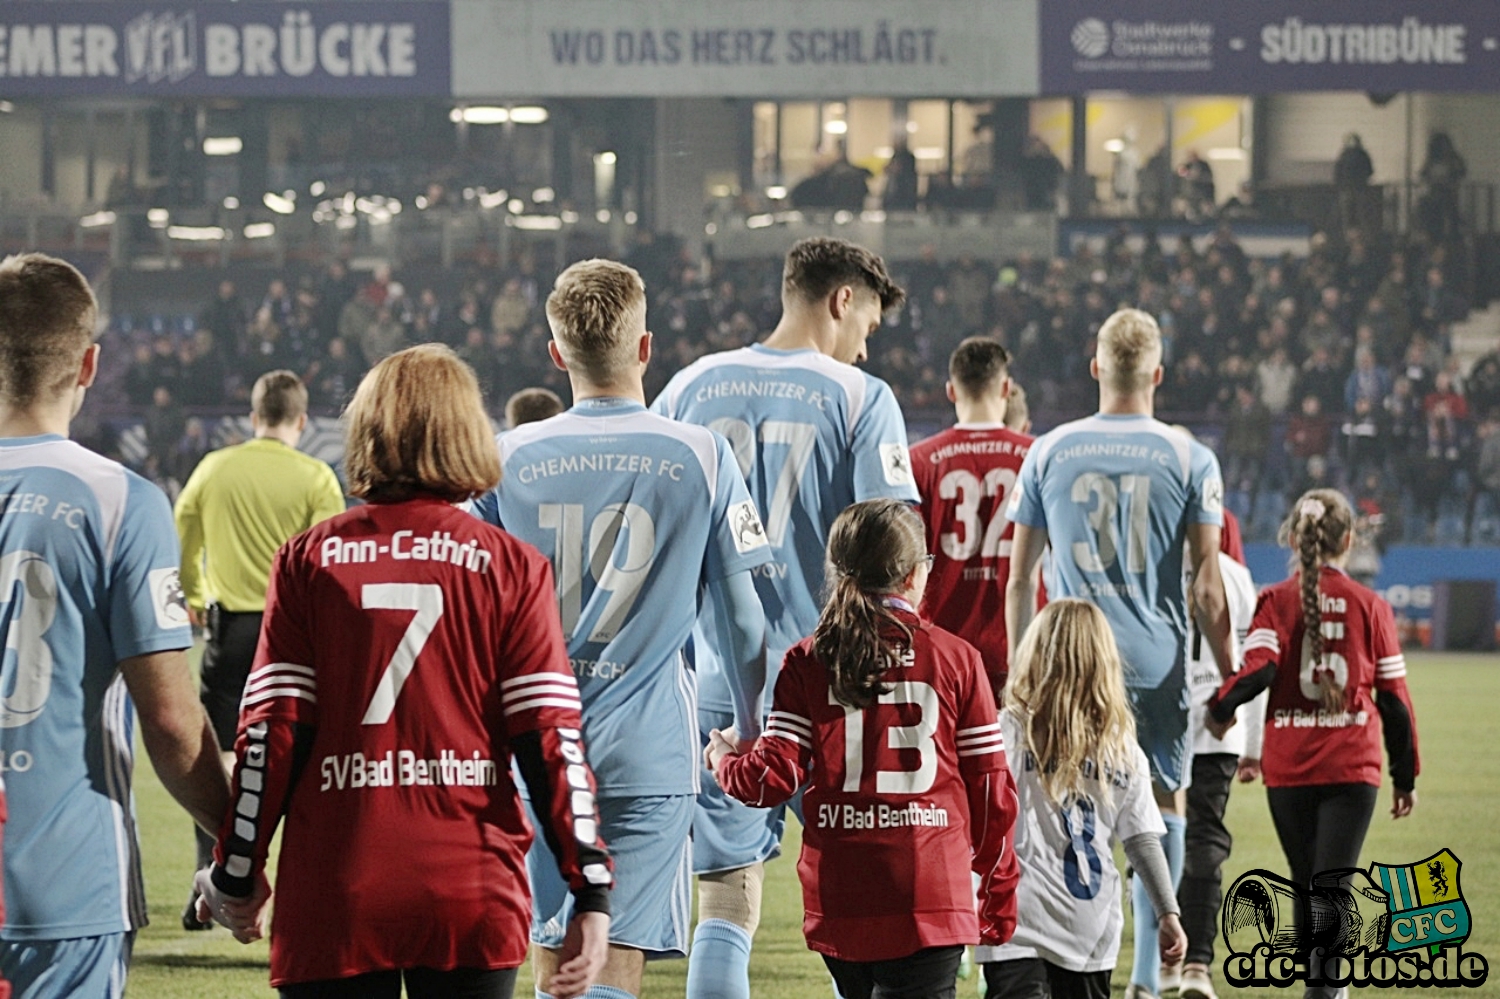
(416, 426)
(1129, 350)
(597, 310)
(1067, 689)
(47, 322)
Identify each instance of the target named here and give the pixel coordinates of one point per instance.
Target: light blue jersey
(639, 515)
(88, 577)
(812, 436)
(1116, 495)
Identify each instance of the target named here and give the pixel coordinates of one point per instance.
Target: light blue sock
(1146, 969)
(606, 992)
(719, 963)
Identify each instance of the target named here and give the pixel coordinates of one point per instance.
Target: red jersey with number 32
(416, 640)
(965, 475)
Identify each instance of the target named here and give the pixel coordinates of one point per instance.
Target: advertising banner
(370, 49)
(730, 48)
(1273, 46)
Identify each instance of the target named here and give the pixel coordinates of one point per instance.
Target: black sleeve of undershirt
(1395, 722)
(545, 774)
(1244, 688)
(272, 795)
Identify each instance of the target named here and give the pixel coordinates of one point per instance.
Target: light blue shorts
(83, 966)
(650, 839)
(1161, 727)
(728, 835)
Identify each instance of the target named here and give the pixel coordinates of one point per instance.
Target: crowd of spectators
(1328, 368)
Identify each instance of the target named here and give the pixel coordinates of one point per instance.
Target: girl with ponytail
(890, 724)
(1326, 648)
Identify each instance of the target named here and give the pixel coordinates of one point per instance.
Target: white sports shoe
(1196, 985)
(1170, 977)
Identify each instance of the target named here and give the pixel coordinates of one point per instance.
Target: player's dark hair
(47, 319)
(1317, 530)
(278, 398)
(531, 405)
(873, 547)
(978, 366)
(417, 426)
(816, 266)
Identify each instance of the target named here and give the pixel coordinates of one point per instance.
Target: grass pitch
(1457, 699)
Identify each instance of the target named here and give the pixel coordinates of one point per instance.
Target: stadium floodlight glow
(516, 206)
(1226, 153)
(260, 230)
(345, 222)
(602, 215)
(490, 199)
(759, 221)
(231, 203)
(911, 128)
(422, 202)
(543, 195)
(280, 204)
(6, 107)
(317, 188)
(929, 152)
(96, 220)
(631, 218)
(836, 127)
(843, 217)
(222, 145)
(776, 192)
(607, 158)
(157, 217)
(542, 223)
(1115, 146)
(529, 115)
(196, 233)
(480, 114)
(569, 216)
(712, 229)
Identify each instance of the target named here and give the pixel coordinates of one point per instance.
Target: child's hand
(1171, 939)
(1403, 803)
(1217, 728)
(720, 745)
(1248, 770)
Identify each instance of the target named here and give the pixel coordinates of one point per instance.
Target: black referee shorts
(232, 637)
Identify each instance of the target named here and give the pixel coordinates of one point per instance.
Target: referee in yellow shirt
(239, 506)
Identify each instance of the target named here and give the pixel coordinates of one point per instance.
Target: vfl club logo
(1392, 926)
(1090, 38)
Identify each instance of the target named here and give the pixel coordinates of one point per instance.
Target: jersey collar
(27, 441)
(978, 426)
(776, 352)
(606, 405)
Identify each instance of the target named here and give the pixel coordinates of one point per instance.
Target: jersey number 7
(427, 600)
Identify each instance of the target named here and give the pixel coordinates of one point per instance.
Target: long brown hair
(1067, 689)
(873, 548)
(1317, 531)
(417, 425)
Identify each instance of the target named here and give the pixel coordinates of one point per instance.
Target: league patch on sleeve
(167, 598)
(896, 464)
(744, 521)
(1213, 496)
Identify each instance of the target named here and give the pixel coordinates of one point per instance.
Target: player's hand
(1171, 939)
(720, 745)
(244, 917)
(196, 617)
(1403, 802)
(584, 951)
(1248, 770)
(1217, 728)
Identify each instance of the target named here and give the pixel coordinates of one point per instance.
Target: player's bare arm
(1020, 590)
(1210, 605)
(178, 736)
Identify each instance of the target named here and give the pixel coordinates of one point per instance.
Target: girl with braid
(890, 723)
(1327, 650)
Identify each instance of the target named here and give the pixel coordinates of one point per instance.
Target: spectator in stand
(1193, 386)
(1486, 485)
(226, 314)
(1351, 178)
(141, 380)
(333, 377)
(261, 349)
(191, 447)
(1041, 172)
(165, 423)
(510, 310)
(202, 371)
(1276, 380)
(1307, 435)
(942, 328)
(1247, 442)
(1446, 411)
(969, 283)
(382, 337)
(1484, 384)
(1368, 381)
(900, 192)
(1321, 378)
(1441, 305)
(1366, 438)
(1443, 172)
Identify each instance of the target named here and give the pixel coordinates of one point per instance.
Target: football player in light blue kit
(1117, 495)
(96, 628)
(812, 435)
(644, 519)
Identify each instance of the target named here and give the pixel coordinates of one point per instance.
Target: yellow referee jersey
(241, 504)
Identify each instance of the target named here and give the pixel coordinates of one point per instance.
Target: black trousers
(928, 974)
(1033, 978)
(1321, 827)
(1207, 847)
(227, 657)
(421, 983)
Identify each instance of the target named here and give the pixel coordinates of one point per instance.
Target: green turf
(1456, 699)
